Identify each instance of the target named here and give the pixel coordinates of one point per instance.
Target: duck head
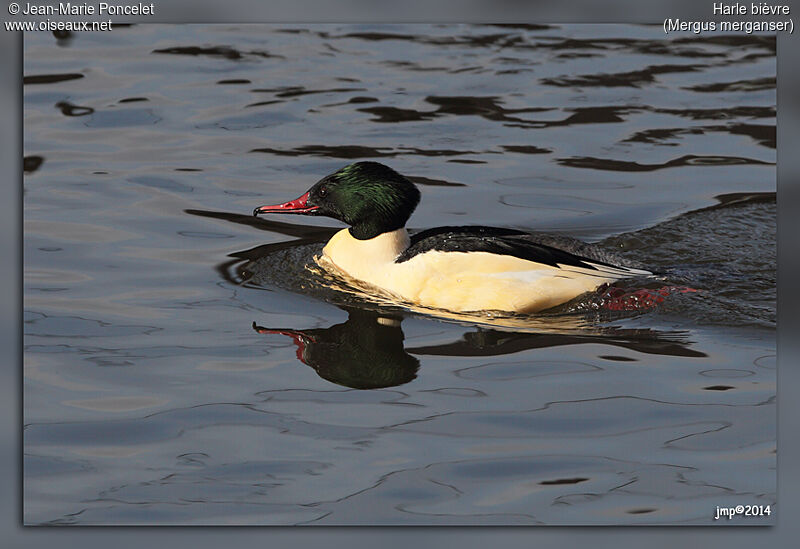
(368, 196)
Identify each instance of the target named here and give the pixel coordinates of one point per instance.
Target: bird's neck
(353, 255)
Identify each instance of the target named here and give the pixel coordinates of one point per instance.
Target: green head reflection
(364, 352)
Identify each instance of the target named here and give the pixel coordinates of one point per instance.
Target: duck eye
(322, 192)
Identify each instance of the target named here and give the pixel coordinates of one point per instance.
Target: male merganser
(458, 269)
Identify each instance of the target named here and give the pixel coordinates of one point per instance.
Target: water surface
(182, 366)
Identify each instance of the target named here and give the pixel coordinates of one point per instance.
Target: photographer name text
(83, 8)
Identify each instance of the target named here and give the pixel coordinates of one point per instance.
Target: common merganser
(460, 269)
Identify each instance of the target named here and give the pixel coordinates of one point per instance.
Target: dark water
(182, 366)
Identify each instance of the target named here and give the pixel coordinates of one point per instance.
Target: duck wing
(552, 250)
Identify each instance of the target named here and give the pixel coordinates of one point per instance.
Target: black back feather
(527, 246)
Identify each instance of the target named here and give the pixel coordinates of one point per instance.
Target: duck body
(464, 269)
(459, 269)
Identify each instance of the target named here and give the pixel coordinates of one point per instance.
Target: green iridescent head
(368, 196)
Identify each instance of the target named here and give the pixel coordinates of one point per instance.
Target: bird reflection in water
(367, 350)
(364, 352)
